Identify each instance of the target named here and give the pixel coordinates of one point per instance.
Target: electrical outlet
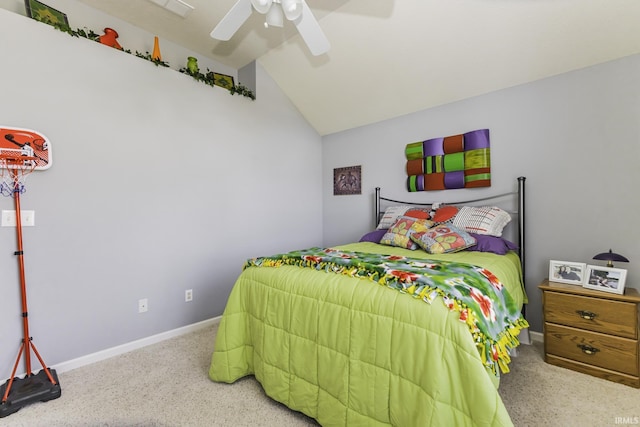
(143, 305)
(188, 295)
(8, 218)
(27, 218)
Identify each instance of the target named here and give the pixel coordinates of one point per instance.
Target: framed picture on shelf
(223, 80)
(605, 279)
(567, 272)
(43, 13)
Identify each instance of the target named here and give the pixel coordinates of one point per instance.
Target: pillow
(373, 236)
(445, 214)
(399, 234)
(442, 239)
(391, 215)
(482, 220)
(496, 245)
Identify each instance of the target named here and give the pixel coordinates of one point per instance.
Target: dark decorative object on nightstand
(610, 257)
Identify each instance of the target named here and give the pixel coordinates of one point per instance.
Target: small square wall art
(347, 180)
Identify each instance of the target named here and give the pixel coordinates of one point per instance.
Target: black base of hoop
(27, 390)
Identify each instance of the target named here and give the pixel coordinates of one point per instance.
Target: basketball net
(14, 170)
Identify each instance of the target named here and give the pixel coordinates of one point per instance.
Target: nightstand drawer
(595, 314)
(614, 353)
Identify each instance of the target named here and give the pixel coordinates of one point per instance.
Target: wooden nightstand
(593, 332)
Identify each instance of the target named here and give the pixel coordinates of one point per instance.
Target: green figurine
(192, 65)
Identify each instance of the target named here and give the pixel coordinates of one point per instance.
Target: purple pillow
(497, 245)
(374, 236)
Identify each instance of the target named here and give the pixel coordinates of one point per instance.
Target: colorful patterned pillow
(442, 239)
(482, 220)
(399, 234)
(391, 215)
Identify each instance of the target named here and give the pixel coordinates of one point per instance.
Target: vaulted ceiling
(393, 57)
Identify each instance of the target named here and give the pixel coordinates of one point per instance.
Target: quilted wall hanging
(458, 161)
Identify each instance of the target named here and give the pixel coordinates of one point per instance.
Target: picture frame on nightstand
(605, 279)
(573, 273)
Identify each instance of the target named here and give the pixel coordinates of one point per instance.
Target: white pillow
(489, 220)
(391, 215)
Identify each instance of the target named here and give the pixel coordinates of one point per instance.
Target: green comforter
(348, 352)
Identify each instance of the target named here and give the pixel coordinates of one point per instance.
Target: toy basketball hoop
(21, 152)
(14, 169)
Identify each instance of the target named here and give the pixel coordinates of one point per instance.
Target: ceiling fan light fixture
(262, 6)
(274, 17)
(304, 21)
(292, 9)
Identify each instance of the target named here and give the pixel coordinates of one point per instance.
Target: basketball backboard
(26, 142)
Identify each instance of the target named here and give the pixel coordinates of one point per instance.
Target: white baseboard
(134, 345)
(536, 336)
(524, 336)
(527, 337)
(125, 348)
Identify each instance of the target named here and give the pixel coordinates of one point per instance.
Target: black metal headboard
(519, 212)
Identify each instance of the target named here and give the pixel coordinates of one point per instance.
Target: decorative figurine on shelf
(156, 50)
(192, 65)
(109, 38)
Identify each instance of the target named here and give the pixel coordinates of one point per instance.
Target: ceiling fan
(295, 11)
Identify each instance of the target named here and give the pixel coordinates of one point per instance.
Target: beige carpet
(166, 384)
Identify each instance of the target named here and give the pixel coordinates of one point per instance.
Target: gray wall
(159, 184)
(576, 137)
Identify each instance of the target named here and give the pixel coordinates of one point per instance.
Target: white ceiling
(393, 57)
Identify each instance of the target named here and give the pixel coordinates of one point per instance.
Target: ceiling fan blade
(311, 32)
(228, 26)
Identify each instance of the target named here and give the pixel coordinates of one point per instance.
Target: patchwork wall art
(457, 161)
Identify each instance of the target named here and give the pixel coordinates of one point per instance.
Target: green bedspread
(474, 292)
(348, 352)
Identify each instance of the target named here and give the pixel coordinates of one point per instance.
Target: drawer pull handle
(587, 349)
(587, 315)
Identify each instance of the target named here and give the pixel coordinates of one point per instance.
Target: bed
(380, 334)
